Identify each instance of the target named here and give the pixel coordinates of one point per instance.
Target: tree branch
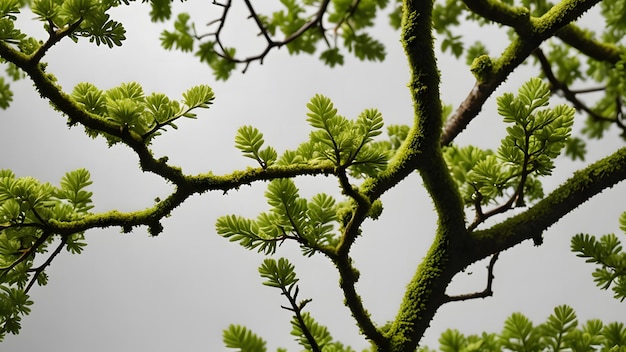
(494, 72)
(567, 93)
(54, 37)
(38, 270)
(487, 292)
(315, 21)
(581, 40)
(297, 311)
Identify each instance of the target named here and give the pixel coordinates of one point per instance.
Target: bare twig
(38, 270)
(557, 85)
(487, 292)
(297, 311)
(315, 22)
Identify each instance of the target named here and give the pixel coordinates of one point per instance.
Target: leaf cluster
(608, 255)
(560, 331)
(309, 222)
(11, 35)
(89, 17)
(27, 206)
(146, 115)
(347, 144)
(535, 137)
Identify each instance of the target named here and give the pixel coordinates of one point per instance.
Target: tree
(469, 187)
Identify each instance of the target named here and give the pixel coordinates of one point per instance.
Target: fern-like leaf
(242, 339)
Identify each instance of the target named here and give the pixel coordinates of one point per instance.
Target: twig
(38, 270)
(315, 21)
(297, 311)
(568, 94)
(487, 292)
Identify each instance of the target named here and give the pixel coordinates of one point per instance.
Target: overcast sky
(179, 291)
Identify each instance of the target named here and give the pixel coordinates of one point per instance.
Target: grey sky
(178, 291)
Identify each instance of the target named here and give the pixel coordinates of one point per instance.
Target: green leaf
(319, 332)
(321, 112)
(364, 46)
(160, 10)
(223, 67)
(575, 148)
(268, 156)
(103, 30)
(90, 97)
(562, 322)
(180, 38)
(73, 186)
(8, 8)
(608, 255)
(322, 211)
(249, 140)
(332, 57)
(200, 96)
(6, 95)
(615, 335)
(20, 301)
(161, 108)
(454, 44)
(129, 90)
(282, 195)
(45, 9)
(370, 123)
(519, 334)
(279, 273)
(75, 243)
(534, 94)
(622, 222)
(79, 9)
(125, 111)
(452, 341)
(247, 233)
(8, 33)
(242, 339)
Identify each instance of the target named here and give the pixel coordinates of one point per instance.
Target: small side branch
(55, 35)
(297, 311)
(38, 270)
(487, 292)
(568, 94)
(315, 22)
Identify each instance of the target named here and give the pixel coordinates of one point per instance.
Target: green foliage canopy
(38, 220)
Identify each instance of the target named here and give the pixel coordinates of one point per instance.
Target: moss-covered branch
(490, 73)
(583, 41)
(426, 291)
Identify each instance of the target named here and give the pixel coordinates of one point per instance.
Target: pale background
(179, 291)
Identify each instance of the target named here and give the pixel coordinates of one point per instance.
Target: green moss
(482, 68)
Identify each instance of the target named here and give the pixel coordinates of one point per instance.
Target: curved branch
(315, 21)
(487, 292)
(557, 85)
(496, 72)
(54, 37)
